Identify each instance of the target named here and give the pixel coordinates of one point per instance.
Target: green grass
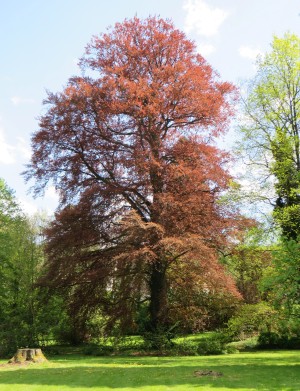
(268, 371)
(125, 345)
(246, 344)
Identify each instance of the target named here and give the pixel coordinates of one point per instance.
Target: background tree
(247, 262)
(271, 128)
(28, 315)
(128, 147)
(271, 137)
(281, 286)
(282, 282)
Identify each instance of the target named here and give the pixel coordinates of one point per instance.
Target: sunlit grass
(245, 371)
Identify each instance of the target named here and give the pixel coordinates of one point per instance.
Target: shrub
(157, 341)
(277, 340)
(284, 335)
(244, 345)
(98, 350)
(185, 348)
(250, 320)
(213, 345)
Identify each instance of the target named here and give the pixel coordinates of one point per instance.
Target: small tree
(247, 261)
(282, 281)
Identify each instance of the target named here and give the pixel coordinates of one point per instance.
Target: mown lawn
(268, 371)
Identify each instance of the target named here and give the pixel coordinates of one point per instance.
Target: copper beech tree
(129, 145)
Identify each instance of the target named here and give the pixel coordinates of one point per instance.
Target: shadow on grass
(135, 373)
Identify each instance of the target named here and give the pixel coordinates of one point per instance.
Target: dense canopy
(129, 146)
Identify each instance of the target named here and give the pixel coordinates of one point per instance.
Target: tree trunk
(28, 355)
(158, 297)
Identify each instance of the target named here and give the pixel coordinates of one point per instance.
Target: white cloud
(17, 100)
(10, 153)
(206, 49)
(51, 193)
(46, 204)
(249, 52)
(29, 208)
(6, 151)
(23, 148)
(202, 18)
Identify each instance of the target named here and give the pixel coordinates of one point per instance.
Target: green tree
(282, 281)
(281, 285)
(247, 262)
(271, 128)
(28, 314)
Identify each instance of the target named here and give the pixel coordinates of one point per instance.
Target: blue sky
(41, 41)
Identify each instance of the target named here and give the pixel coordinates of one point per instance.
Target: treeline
(29, 314)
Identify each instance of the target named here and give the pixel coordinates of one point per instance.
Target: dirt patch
(207, 372)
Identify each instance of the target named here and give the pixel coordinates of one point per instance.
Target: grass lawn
(268, 371)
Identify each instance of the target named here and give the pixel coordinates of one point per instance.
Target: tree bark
(28, 355)
(158, 297)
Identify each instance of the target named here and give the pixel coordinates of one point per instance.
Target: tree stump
(28, 355)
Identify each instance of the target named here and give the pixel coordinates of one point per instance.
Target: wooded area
(153, 235)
